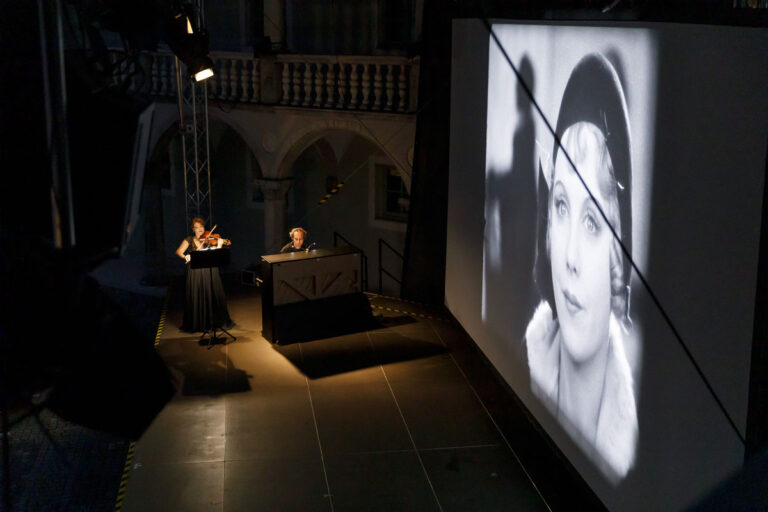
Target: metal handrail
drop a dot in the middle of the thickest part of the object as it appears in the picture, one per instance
(382, 270)
(363, 257)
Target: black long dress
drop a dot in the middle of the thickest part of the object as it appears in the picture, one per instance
(204, 297)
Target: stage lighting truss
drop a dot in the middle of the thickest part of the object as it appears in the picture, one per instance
(193, 121)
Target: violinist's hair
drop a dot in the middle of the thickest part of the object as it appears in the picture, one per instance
(303, 231)
(197, 220)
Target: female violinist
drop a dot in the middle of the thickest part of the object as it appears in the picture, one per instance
(205, 304)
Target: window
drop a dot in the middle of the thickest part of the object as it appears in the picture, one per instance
(392, 199)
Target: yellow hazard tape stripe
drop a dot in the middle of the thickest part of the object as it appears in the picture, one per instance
(132, 446)
(378, 295)
(124, 478)
(161, 323)
(333, 192)
(410, 313)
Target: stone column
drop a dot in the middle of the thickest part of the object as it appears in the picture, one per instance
(275, 232)
(274, 21)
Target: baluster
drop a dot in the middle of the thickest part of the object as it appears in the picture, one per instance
(390, 86)
(296, 85)
(318, 85)
(307, 85)
(170, 66)
(377, 88)
(161, 79)
(170, 76)
(402, 87)
(286, 83)
(227, 68)
(247, 70)
(353, 82)
(256, 81)
(233, 81)
(366, 86)
(154, 86)
(222, 81)
(342, 85)
(245, 73)
(214, 89)
(330, 85)
(160, 63)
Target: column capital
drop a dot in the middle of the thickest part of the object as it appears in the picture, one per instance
(274, 189)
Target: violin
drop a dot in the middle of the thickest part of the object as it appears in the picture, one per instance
(211, 239)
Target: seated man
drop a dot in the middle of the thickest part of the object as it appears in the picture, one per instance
(297, 240)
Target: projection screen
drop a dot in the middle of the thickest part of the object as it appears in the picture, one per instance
(659, 173)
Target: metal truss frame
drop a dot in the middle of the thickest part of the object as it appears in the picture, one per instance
(195, 146)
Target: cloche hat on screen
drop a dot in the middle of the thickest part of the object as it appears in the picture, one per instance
(593, 94)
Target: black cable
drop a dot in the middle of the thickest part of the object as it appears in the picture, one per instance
(627, 254)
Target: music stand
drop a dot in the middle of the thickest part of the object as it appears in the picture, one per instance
(208, 259)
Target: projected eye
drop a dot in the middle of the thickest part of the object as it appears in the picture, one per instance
(591, 224)
(561, 208)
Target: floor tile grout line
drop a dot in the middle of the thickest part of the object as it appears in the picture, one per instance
(467, 447)
(490, 416)
(317, 435)
(408, 430)
(408, 450)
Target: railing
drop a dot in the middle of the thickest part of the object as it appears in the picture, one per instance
(382, 270)
(358, 83)
(368, 83)
(364, 279)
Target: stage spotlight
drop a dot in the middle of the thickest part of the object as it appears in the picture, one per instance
(190, 44)
(202, 68)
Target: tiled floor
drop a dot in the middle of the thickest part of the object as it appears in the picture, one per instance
(382, 420)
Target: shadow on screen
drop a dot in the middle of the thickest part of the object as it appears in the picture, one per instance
(510, 237)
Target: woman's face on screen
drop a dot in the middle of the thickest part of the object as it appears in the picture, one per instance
(580, 245)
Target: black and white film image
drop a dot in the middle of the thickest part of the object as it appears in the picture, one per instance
(557, 284)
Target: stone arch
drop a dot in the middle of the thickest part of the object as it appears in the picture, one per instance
(302, 138)
(170, 128)
(241, 132)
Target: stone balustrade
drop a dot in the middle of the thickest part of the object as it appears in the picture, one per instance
(363, 83)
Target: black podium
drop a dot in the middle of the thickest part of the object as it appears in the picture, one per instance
(208, 259)
(313, 295)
